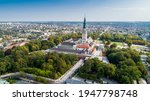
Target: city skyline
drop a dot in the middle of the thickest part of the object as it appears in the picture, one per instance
(74, 10)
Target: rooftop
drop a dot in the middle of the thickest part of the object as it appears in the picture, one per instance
(86, 45)
(68, 43)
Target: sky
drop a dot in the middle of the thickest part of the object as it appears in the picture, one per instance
(74, 10)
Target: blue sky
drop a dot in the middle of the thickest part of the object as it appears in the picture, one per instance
(74, 10)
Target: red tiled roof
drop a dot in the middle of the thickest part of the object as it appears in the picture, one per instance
(18, 44)
(83, 46)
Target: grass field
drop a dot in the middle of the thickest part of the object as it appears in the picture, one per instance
(118, 43)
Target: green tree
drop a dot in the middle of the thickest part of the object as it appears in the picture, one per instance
(110, 70)
(2, 67)
(148, 59)
(125, 79)
(108, 43)
(127, 62)
(129, 43)
(113, 45)
(47, 66)
(1, 54)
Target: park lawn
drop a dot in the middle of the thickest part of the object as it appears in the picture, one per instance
(118, 43)
(135, 47)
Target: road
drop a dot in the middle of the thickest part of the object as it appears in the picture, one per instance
(106, 30)
(9, 75)
(105, 59)
(148, 77)
(109, 81)
(70, 72)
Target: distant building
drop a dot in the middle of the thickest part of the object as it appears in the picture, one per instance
(144, 59)
(67, 45)
(15, 45)
(1, 46)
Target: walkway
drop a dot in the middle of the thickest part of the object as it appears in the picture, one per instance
(70, 72)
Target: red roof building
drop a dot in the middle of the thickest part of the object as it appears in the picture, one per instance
(18, 44)
(84, 46)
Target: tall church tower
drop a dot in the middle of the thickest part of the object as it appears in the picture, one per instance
(84, 33)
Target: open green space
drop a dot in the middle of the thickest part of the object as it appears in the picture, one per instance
(118, 43)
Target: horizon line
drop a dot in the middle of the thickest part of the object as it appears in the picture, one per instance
(73, 21)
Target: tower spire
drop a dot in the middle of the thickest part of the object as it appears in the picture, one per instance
(84, 23)
(84, 33)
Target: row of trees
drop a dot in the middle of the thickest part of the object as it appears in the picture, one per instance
(123, 38)
(131, 39)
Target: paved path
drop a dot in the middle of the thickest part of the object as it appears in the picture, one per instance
(10, 75)
(105, 59)
(70, 72)
(148, 77)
